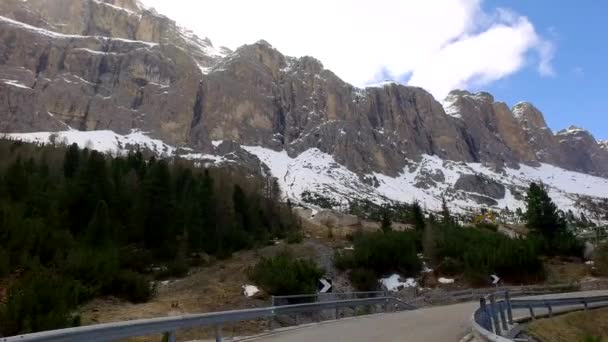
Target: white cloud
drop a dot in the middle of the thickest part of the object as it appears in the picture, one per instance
(442, 44)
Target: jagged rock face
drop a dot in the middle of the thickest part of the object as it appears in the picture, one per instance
(113, 64)
(95, 83)
(580, 149)
(126, 19)
(488, 128)
(538, 135)
(481, 185)
(521, 135)
(257, 96)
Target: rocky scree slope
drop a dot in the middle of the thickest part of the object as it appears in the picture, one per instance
(115, 65)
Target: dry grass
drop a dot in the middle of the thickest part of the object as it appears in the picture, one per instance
(560, 272)
(206, 289)
(573, 327)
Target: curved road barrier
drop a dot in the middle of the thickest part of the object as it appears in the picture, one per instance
(169, 325)
(494, 322)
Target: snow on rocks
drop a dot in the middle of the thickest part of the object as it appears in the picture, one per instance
(381, 84)
(443, 280)
(394, 283)
(15, 84)
(250, 290)
(318, 172)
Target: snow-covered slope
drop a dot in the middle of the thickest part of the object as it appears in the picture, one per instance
(102, 141)
(318, 172)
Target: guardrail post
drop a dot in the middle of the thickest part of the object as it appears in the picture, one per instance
(494, 310)
(271, 318)
(501, 306)
(585, 304)
(170, 336)
(487, 321)
(509, 308)
(531, 312)
(550, 309)
(218, 333)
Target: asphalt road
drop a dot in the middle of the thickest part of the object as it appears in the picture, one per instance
(445, 323)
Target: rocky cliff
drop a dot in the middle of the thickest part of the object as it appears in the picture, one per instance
(116, 65)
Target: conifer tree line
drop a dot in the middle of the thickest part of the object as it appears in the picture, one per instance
(453, 248)
(91, 224)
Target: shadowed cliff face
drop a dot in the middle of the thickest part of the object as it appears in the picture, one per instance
(113, 64)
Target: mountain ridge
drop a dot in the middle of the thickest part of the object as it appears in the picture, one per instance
(118, 66)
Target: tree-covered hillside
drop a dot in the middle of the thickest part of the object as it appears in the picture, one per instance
(75, 224)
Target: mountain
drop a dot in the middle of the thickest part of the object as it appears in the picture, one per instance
(115, 69)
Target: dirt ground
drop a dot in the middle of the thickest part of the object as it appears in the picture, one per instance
(566, 271)
(217, 287)
(573, 327)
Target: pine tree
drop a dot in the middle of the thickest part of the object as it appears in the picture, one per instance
(418, 216)
(100, 231)
(71, 161)
(542, 214)
(386, 223)
(429, 243)
(16, 180)
(446, 216)
(157, 209)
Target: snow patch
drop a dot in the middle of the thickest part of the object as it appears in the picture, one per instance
(316, 171)
(15, 84)
(102, 141)
(250, 290)
(66, 36)
(394, 283)
(445, 280)
(382, 84)
(450, 107)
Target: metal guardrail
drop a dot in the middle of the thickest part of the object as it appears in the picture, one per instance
(494, 322)
(474, 294)
(342, 295)
(169, 325)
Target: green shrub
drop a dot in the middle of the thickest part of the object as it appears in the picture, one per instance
(387, 252)
(295, 237)
(178, 268)
(286, 275)
(590, 338)
(450, 267)
(364, 279)
(566, 244)
(132, 287)
(487, 225)
(39, 301)
(601, 259)
(482, 252)
(377, 254)
(344, 260)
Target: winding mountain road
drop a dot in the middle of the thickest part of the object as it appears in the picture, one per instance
(445, 323)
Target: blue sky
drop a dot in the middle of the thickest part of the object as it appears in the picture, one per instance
(577, 93)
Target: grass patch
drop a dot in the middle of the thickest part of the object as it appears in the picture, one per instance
(572, 327)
